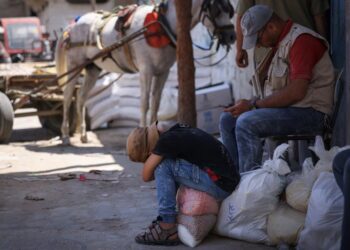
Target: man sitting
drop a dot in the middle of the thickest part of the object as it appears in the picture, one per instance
(294, 86)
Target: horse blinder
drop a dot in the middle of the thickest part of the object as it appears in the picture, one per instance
(226, 33)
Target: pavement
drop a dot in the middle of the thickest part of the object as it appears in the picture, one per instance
(102, 209)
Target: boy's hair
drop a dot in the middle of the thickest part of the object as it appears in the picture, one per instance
(141, 141)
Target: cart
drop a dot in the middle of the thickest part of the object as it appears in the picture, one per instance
(18, 80)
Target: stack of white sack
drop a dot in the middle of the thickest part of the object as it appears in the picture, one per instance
(298, 191)
(197, 215)
(285, 224)
(243, 215)
(121, 103)
(211, 64)
(322, 230)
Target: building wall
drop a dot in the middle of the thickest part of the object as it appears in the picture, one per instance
(12, 8)
(59, 13)
(55, 14)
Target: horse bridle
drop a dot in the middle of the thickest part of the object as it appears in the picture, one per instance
(211, 9)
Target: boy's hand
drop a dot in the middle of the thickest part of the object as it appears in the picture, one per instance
(150, 165)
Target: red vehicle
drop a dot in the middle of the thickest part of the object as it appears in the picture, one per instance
(22, 37)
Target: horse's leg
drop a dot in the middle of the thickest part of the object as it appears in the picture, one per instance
(92, 73)
(145, 82)
(67, 101)
(157, 88)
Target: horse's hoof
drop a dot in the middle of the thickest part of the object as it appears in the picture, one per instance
(84, 139)
(65, 141)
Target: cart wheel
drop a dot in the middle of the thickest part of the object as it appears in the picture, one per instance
(6, 118)
(54, 122)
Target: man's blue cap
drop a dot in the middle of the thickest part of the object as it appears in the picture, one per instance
(253, 20)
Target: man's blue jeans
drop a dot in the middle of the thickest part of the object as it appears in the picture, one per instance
(341, 170)
(242, 135)
(170, 174)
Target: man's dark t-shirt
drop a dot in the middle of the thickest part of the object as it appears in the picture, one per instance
(199, 148)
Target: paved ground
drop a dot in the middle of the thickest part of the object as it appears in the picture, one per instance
(106, 211)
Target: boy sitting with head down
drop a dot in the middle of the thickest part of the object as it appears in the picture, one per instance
(180, 156)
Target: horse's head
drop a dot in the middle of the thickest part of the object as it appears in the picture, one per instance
(217, 15)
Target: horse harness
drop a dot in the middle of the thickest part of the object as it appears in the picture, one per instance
(123, 22)
(125, 16)
(162, 32)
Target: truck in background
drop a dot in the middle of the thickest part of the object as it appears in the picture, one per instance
(23, 39)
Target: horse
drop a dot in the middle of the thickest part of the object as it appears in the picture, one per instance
(94, 31)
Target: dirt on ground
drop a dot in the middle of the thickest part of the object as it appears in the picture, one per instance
(84, 196)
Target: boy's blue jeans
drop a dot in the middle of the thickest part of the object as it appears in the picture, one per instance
(341, 170)
(170, 174)
(242, 135)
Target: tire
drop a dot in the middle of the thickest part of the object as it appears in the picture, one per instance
(54, 122)
(6, 118)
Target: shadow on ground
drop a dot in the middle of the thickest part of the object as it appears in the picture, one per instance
(40, 211)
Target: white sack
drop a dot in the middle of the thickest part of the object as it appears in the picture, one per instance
(243, 215)
(284, 225)
(323, 222)
(193, 202)
(325, 156)
(128, 113)
(123, 123)
(193, 229)
(299, 190)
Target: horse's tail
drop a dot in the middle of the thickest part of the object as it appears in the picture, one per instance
(61, 59)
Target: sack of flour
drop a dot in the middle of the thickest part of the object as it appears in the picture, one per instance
(243, 215)
(193, 229)
(194, 202)
(325, 156)
(322, 230)
(284, 225)
(299, 190)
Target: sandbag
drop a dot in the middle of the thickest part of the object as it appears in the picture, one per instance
(193, 202)
(284, 225)
(322, 230)
(193, 229)
(243, 214)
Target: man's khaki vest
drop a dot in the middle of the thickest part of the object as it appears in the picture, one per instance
(321, 87)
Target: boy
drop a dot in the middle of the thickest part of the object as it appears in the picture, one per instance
(180, 156)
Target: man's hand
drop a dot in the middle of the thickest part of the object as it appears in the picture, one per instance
(242, 58)
(240, 107)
